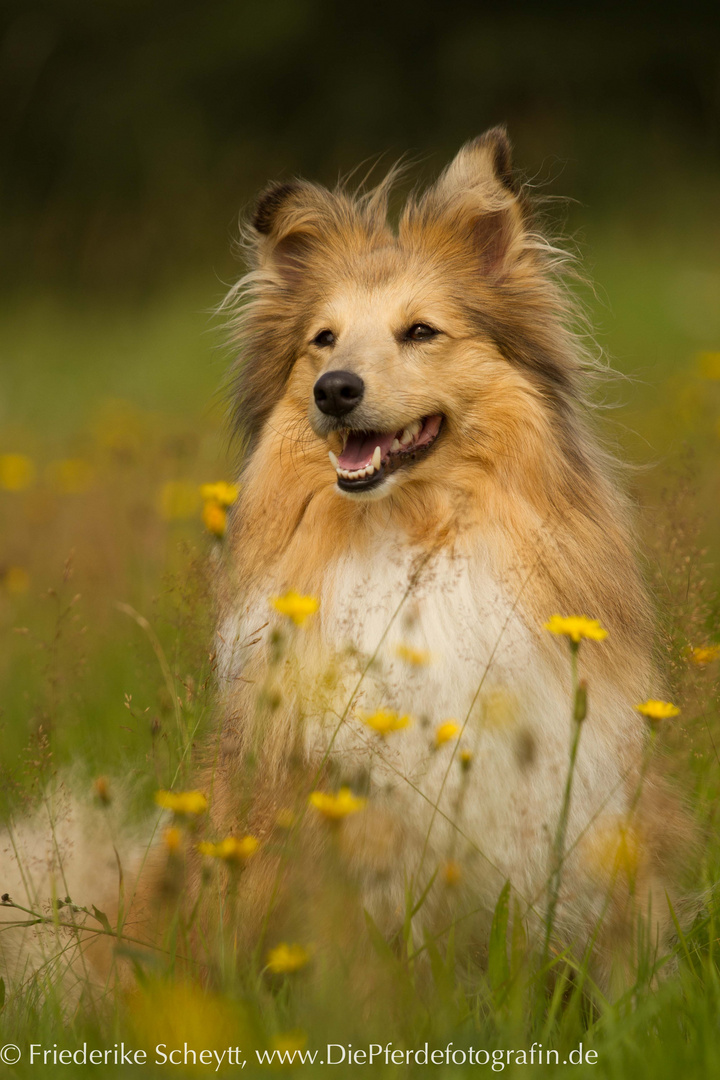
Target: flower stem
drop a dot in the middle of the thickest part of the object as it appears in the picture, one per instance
(560, 834)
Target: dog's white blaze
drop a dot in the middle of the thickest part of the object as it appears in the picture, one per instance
(486, 672)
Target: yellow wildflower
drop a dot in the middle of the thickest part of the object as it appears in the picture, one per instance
(613, 847)
(451, 873)
(704, 654)
(576, 627)
(466, 759)
(172, 838)
(709, 364)
(17, 472)
(336, 807)
(71, 476)
(187, 1019)
(447, 731)
(101, 790)
(221, 493)
(16, 580)
(296, 607)
(284, 959)
(289, 1042)
(179, 500)
(657, 710)
(190, 803)
(231, 849)
(412, 656)
(383, 721)
(214, 518)
(499, 708)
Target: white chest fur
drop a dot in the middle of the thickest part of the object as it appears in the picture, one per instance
(481, 666)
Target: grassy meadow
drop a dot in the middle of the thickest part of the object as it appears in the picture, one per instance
(110, 423)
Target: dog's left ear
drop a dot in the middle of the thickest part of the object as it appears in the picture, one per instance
(478, 197)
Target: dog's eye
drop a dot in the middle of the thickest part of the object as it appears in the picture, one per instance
(420, 331)
(324, 338)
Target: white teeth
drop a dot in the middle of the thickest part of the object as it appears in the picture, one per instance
(395, 446)
(356, 474)
(376, 458)
(410, 432)
(333, 460)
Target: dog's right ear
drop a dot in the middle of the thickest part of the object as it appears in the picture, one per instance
(285, 226)
(270, 203)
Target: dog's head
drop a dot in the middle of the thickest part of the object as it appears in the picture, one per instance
(412, 350)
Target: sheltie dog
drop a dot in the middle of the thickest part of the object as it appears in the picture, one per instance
(422, 478)
(422, 461)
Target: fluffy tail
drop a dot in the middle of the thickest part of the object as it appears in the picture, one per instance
(67, 871)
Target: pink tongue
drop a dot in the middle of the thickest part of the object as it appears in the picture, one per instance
(360, 448)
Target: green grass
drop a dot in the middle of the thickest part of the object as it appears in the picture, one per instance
(130, 390)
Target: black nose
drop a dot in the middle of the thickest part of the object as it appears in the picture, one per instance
(338, 392)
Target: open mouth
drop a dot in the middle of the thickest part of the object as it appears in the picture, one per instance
(369, 457)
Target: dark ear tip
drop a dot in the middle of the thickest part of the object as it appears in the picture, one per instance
(496, 140)
(268, 204)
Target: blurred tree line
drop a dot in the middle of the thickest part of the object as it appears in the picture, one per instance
(133, 131)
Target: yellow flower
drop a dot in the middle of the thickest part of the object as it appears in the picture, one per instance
(384, 721)
(221, 493)
(187, 1018)
(466, 759)
(336, 807)
(451, 873)
(499, 708)
(447, 731)
(172, 838)
(296, 607)
(613, 847)
(189, 803)
(214, 518)
(179, 500)
(101, 789)
(704, 654)
(289, 1042)
(16, 580)
(71, 476)
(17, 472)
(657, 710)
(284, 959)
(709, 364)
(414, 657)
(231, 849)
(576, 627)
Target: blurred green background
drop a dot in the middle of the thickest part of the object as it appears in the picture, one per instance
(133, 133)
